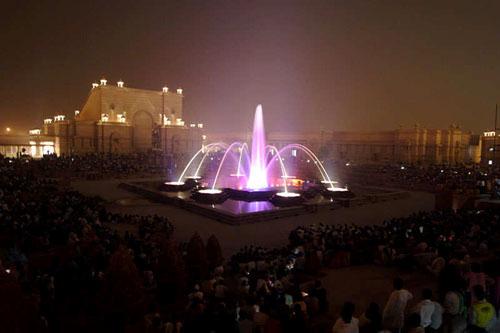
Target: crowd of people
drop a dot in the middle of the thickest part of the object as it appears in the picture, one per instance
(67, 264)
(428, 178)
(97, 166)
(447, 244)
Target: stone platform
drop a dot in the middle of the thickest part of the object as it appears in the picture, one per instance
(237, 212)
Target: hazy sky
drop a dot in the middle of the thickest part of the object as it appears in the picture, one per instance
(312, 64)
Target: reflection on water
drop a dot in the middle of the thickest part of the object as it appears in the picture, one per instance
(243, 207)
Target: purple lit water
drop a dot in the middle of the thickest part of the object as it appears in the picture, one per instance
(244, 207)
(258, 173)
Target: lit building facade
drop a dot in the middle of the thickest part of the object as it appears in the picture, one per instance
(14, 144)
(490, 146)
(419, 146)
(120, 120)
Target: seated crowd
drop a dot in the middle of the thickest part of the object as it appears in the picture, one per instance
(69, 265)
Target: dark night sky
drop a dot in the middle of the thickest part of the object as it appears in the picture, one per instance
(312, 64)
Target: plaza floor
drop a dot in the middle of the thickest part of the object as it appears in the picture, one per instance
(271, 233)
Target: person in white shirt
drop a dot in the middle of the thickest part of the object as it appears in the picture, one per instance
(431, 313)
(346, 323)
(393, 316)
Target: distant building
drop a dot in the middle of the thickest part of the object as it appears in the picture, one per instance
(119, 119)
(418, 145)
(14, 144)
(490, 146)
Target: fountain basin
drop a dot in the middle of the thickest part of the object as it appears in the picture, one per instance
(192, 181)
(337, 192)
(251, 195)
(286, 199)
(175, 186)
(210, 196)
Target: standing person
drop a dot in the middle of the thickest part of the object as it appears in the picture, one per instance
(476, 277)
(371, 320)
(245, 325)
(482, 312)
(455, 312)
(431, 313)
(413, 324)
(346, 323)
(297, 322)
(393, 317)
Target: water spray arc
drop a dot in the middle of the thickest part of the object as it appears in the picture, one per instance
(222, 162)
(181, 177)
(208, 150)
(314, 158)
(282, 165)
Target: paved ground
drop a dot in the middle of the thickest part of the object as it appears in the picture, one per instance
(269, 233)
(371, 283)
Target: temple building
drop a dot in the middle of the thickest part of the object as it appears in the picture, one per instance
(121, 120)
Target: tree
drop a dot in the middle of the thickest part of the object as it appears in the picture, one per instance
(122, 293)
(214, 252)
(196, 259)
(171, 272)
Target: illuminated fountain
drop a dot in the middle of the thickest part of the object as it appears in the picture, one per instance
(244, 175)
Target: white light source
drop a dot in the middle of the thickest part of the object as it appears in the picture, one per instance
(77, 112)
(121, 118)
(490, 133)
(174, 183)
(47, 121)
(7, 129)
(104, 117)
(120, 84)
(200, 125)
(179, 91)
(210, 191)
(59, 117)
(35, 131)
(165, 89)
(337, 189)
(288, 194)
(331, 182)
(103, 81)
(490, 162)
(192, 125)
(95, 85)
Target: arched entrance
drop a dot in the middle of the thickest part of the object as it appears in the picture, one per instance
(114, 143)
(142, 130)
